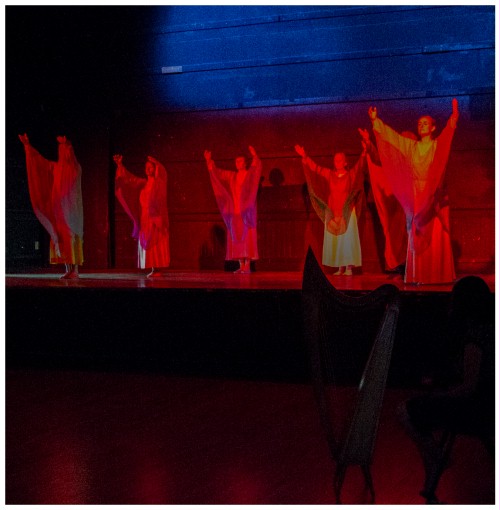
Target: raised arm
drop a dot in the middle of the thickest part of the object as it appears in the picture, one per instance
(300, 151)
(256, 163)
(120, 169)
(368, 147)
(24, 139)
(253, 153)
(402, 143)
(33, 156)
(123, 175)
(208, 158)
(454, 113)
(310, 164)
(223, 175)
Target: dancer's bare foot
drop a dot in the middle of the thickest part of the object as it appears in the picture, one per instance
(244, 267)
(154, 274)
(71, 274)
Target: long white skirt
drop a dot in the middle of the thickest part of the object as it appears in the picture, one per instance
(345, 249)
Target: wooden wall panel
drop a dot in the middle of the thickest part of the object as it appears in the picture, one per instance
(275, 39)
(380, 78)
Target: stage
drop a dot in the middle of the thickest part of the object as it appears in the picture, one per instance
(208, 323)
(219, 280)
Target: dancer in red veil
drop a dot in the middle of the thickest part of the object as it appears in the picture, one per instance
(337, 196)
(416, 170)
(145, 202)
(56, 196)
(236, 195)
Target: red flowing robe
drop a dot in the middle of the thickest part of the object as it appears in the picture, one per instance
(145, 202)
(236, 196)
(416, 171)
(391, 214)
(333, 197)
(56, 196)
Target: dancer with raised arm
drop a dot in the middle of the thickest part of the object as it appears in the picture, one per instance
(337, 197)
(236, 196)
(56, 196)
(145, 202)
(416, 170)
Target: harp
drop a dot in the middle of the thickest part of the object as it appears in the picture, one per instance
(350, 342)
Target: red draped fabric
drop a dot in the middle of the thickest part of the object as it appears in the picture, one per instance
(334, 197)
(415, 171)
(145, 202)
(56, 197)
(390, 212)
(128, 189)
(236, 196)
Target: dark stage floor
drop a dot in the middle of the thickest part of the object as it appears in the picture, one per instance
(194, 388)
(218, 280)
(116, 438)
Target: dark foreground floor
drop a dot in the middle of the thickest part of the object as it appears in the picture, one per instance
(130, 438)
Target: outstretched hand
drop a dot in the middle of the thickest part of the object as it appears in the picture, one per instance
(208, 155)
(372, 112)
(364, 135)
(24, 139)
(61, 139)
(252, 151)
(300, 150)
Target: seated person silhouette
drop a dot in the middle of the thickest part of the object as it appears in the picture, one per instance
(467, 404)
